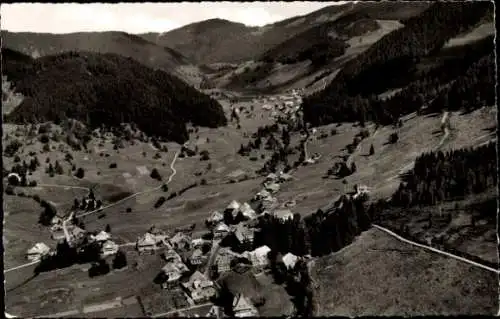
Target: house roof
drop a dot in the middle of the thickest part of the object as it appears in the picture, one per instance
(233, 205)
(221, 227)
(272, 186)
(197, 253)
(290, 260)
(109, 245)
(283, 213)
(241, 232)
(216, 216)
(39, 248)
(146, 240)
(262, 250)
(247, 211)
(179, 237)
(102, 236)
(271, 176)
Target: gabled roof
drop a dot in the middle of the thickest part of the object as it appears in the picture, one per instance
(146, 240)
(179, 237)
(262, 250)
(109, 245)
(221, 227)
(290, 260)
(233, 205)
(248, 211)
(102, 236)
(39, 248)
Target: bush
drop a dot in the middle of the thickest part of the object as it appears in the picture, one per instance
(112, 165)
(12, 148)
(129, 210)
(160, 202)
(203, 181)
(372, 150)
(44, 139)
(32, 184)
(80, 173)
(120, 260)
(393, 138)
(9, 190)
(204, 155)
(155, 174)
(164, 187)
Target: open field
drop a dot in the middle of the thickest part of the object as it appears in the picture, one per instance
(71, 288)
(378, 275)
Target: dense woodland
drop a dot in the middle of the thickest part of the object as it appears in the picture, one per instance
(318, 234)
(439, 176)
(403, 57)
(106, 89)
(320, 44)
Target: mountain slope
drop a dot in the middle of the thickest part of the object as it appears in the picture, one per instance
(108, 89)
(411, 58)
(128, 45)
(219, 40)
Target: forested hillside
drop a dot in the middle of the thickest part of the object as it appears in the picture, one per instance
(400, 60)
(439, 176)
(107, 89)
(128, 45)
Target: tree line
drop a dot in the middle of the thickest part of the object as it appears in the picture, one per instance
(106, 90)
(318, 234)
(400, 56)
(440, 176)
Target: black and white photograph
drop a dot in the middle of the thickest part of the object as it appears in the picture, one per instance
(249, 159)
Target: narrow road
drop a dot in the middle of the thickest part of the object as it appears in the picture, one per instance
(473, 263)
(174, 171)
(63, 186)
(21, 266)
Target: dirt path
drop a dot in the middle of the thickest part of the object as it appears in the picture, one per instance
(174, 171)
(473, 263)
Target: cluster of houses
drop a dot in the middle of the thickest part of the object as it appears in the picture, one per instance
(286, 104)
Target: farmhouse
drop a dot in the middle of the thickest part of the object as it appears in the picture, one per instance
(272, 187)
(146, 242)
(109, 248)
(283, 214)
(263, 194)
(172, 256)
(258, 257)
(199, 287)
(290, 260)
(101, 237)
(233, 206)
(180, 241)
(215, 217)
(37, 252)
(197, 257)
(243, 234)
(198, 242)
(221, 230)
(174, 272)
(247, 211)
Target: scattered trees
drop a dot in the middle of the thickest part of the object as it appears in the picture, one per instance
(156, 175)
(120, 260)
(80, 173)
(160, 202)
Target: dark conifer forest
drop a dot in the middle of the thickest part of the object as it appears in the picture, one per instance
(107, 89)
(401, 60)
(439, 176)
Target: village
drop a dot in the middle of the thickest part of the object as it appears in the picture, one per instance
(193, 264)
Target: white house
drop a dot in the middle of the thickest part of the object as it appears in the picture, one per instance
(146, 242)
(215, 217)
(101, 237)
(221, 230)
(247, 211)
(233, 205)
(290, 260)
(109, 248)
(259, 256)
(283, 214)
(37, 252)
(199, 287)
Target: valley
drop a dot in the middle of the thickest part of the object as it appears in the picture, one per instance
(246, 171)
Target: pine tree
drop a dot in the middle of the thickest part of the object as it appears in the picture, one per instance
(372, 150)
